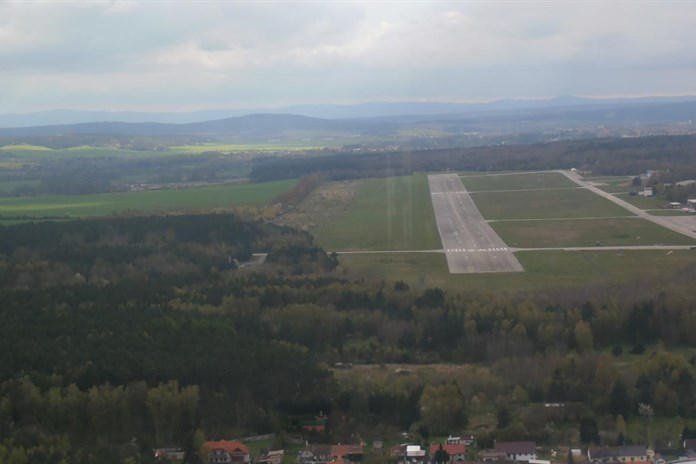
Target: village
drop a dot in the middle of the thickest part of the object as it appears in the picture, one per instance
(455, 449)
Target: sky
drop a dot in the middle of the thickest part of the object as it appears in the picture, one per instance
(183, 56)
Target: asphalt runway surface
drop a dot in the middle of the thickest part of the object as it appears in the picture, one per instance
(470, 244)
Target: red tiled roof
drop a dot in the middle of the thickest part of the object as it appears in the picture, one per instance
(229, 446)
(344, 450)
(451, 449)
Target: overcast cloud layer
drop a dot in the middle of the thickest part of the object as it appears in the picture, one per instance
(175, 55)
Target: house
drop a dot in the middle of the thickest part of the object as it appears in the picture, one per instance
(409, 454)
(227, 452)
(618, 454)
(517, 450)
(316, 454)
(347, 453)
(691, 203)
(316, 424)
(169, 454)
(490, 456)
(647, 192)
(465, 439)
(690, 443)
(457, 452)
(674, 204)
(271, 457)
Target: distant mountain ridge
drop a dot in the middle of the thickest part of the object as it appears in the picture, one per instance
(565, 112)
(328, 111)
(255, 124)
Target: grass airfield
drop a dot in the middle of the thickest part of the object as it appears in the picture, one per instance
(570, 217)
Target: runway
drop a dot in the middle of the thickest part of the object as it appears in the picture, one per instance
(470, 244)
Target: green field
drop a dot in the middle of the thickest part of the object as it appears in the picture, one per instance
(154, 200)
(238, 147)
(10, 165)
(23, 147)
(543, 269)
(546, 180)
(386, 214)
(8, 186)
(545, 204)
(25, 153)
(586, 232)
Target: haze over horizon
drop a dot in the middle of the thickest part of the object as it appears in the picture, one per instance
(185, 56)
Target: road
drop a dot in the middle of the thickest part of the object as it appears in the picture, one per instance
(470, 244)
(682, 227)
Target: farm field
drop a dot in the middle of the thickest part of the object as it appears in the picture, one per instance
(238, 147)
(543, 269)
(8, 186)
(393, 213)
(547, 180)
(38, 153)
(154, 200)
(586, 232)
(545, 204)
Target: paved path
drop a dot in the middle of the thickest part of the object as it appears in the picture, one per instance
(684, 228)
(470, 244)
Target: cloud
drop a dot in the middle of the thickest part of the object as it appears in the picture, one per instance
(144, 54)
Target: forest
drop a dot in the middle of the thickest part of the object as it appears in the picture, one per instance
(612, 156)
(122, 334)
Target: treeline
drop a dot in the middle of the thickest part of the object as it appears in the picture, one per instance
(131, 142)
(624, 156)
(80, 175)
(107, 251)
(300, 191)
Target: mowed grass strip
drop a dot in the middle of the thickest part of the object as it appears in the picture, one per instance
(522, 181)
(394, 213)
(586, 232)
(543, 269)
(546, 204)
(260, 194)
